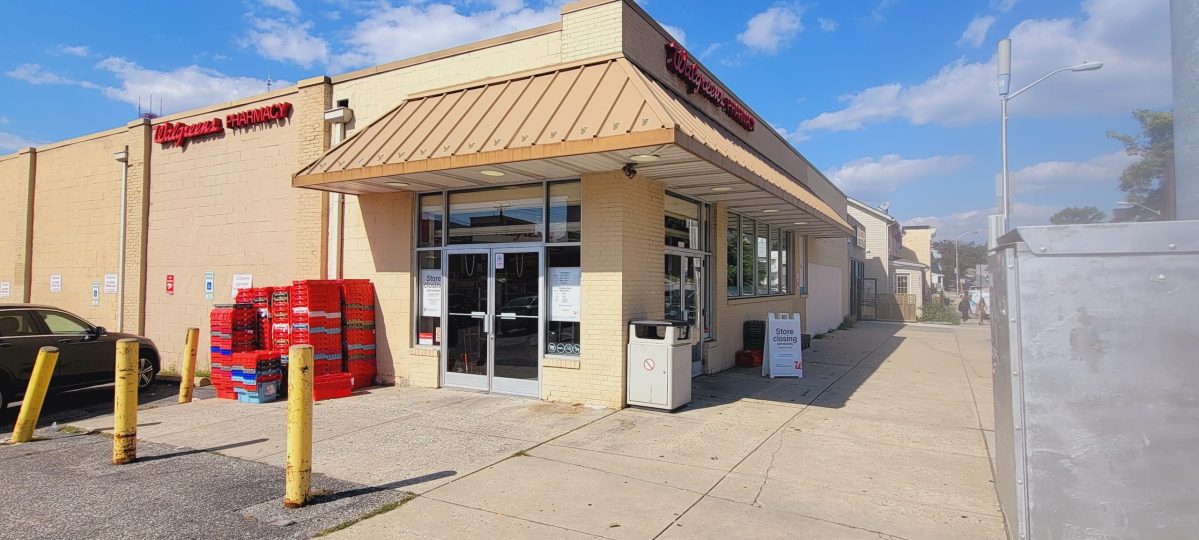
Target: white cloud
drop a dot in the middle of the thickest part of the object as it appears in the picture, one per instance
(1003, 6)
(709, 50)
(3, 119)
(976, 31)
(1126, 35)
(72, 50)
(883, 175)
(953, 224)
(36, 74)
(10, 143)
(286, 6)
(1101, 171)
(390, 33)
(677, 33)
(178, 89)
(828, 25)
(773, 29)
(287, 41)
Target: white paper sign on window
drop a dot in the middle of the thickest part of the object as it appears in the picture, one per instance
(242, 281)
(430, 293)
(566, 294)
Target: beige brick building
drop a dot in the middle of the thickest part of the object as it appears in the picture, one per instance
(516, 202)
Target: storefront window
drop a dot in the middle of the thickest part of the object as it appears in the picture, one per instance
(784, 263)
(733, 266)
(563, 278)
(747, 257)
(775, 261)
(565, 204)
(801, 259)
(428, 323)
(683, 228)
(759, 260)
(763, 259)
(432, 217)
(507, 214)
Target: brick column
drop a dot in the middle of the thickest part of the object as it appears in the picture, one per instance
(137, 215)
(622, 265)
(23, 258)
(312, 207)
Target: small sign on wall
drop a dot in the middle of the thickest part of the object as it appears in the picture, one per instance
(209, 285)
(170, 284)
(95, 293)
(241, 281)
(56, 283)
(5, 289)
(110, 283)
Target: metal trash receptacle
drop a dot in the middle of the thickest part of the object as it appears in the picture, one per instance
(659, 368)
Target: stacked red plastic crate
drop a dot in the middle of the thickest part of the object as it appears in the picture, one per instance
(280, 335)
(332, 386)
(232, 331)
(256, 376)
(316, 321)
(358, 329)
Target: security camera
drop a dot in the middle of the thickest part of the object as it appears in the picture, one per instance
(630, 170)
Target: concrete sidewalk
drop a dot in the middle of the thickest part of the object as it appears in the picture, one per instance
(883, 438)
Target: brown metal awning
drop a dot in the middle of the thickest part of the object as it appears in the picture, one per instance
(574, 119)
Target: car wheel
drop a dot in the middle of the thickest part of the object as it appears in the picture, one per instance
(145, 371)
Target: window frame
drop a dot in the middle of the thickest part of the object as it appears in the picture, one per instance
(907, 282)
(444, 247)
(778, 284)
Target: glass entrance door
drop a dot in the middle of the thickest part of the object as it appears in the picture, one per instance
(684, 300)
(494, 320)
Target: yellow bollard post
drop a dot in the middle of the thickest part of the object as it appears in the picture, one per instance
(35, 395)
(299, 425)
(187, 382)
(124, 434)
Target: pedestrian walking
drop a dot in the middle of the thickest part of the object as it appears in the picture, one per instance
(982, 308)
(964, 307)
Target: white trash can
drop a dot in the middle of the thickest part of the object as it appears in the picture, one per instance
(659, 370)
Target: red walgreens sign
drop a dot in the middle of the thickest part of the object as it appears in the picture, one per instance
(677, 61)
(170, 284)
(178, 133)
(277, 111)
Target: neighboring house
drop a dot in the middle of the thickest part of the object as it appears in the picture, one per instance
(891, 284)
(857, 266)
(918, 246)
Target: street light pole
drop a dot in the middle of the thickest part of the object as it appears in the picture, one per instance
(1004, 64)
(957, 261)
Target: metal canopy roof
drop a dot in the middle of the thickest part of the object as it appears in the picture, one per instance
(573, 119)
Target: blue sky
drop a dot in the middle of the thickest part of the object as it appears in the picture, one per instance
(893, 99)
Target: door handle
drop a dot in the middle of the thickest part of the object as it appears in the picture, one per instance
(507, 315)
(5, 344)
(64, 340)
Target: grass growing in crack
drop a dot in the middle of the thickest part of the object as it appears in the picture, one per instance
(72, 430)
(367, 515)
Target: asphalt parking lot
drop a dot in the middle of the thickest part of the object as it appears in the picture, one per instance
(63, 485)
(95, 401)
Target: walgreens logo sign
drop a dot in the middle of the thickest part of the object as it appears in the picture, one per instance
(678, 62)
(179, 133)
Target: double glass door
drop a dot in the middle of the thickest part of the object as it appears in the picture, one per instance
(685, 301)
(493, 320)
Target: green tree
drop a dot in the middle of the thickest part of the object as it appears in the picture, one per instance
(1146, 181)
(971, 255)
(1075, 215)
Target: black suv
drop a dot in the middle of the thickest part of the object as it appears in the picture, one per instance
(86, 352)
